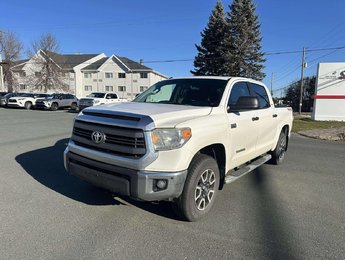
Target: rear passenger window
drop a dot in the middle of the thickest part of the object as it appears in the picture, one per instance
(111, 96)
(239, 89)
(260, 92)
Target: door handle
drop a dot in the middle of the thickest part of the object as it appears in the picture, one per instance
(275, 115)
(255, 118)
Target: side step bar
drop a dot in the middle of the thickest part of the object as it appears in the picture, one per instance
(236, 174)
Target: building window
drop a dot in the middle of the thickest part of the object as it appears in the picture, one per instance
(22, 86)
(88, 88)
(142, 88)
(38, 74)
(87, 75)
(122, 88)
(109, 88)
(108, 75)
(22, 74)
(143, 75)
(122, 75)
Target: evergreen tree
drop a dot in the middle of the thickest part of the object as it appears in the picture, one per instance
(210, 58)
(243, 40)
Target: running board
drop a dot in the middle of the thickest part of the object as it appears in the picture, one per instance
(235, 175)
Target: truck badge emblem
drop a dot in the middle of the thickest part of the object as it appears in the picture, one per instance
(98, 137)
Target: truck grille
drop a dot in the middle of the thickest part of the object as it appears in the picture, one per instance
(120, 141)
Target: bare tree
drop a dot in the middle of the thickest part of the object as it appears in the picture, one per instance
(11, 48)
(47, 73)
(46, 42)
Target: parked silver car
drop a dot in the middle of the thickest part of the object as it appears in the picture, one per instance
(57, 101)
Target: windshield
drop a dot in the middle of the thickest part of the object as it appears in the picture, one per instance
(41, 95)
(25, 95)
(10, 95)
(96, 95)
(191, 92)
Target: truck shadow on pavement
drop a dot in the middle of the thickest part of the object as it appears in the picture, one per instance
(46, 166)
(271, 218)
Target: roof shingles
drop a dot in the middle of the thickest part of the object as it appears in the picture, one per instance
(68, 61)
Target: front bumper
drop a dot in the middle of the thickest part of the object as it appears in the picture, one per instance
(83, 106)
(124, 181)
(14, 105)
(42, 106)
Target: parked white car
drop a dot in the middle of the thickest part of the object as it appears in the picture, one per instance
(25, 100)
(99, 98)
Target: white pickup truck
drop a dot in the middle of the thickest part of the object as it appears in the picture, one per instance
(99, 98)
(181, 140)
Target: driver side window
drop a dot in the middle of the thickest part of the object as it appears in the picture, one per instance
(239, 89)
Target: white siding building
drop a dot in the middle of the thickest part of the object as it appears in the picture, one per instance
(118, 74)
(329, 98)
(86, 73)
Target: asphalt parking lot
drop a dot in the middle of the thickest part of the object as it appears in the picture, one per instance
(292, 211)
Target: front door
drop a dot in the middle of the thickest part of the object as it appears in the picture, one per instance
(243, 128)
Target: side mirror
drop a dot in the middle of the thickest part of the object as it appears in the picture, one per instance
(245, 103)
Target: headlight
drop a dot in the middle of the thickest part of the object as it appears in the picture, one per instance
(168, 139)
(96, 101)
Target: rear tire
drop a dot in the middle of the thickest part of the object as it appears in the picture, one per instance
(279, 152)
(27, 105)
(74, 106)
(199, 190)
(54, 107)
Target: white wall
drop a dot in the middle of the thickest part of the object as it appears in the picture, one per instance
(329, 102)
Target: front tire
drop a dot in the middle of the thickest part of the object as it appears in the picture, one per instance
(54, 107)
(200, 188)
(279, 152)
(27, 105)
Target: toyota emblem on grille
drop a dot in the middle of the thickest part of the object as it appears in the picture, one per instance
(98, 137)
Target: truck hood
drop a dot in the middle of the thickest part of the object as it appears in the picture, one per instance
(163, 115)
(90, 99)
(16, 98)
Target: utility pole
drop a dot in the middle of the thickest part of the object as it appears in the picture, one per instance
(272, 79)
(302, 81)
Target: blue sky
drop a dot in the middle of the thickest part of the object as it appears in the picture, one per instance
(156, 30)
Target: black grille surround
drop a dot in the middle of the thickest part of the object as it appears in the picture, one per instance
(120, 141)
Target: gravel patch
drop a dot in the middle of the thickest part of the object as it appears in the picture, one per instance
(332, 134)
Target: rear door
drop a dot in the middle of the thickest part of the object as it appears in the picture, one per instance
(64, 100)
(243, 128)
(267, 119)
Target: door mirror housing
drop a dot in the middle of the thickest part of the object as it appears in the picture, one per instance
(245, 103)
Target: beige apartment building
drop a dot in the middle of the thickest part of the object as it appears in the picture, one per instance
(86, 73)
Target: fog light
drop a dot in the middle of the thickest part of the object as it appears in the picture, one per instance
(160, 184)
